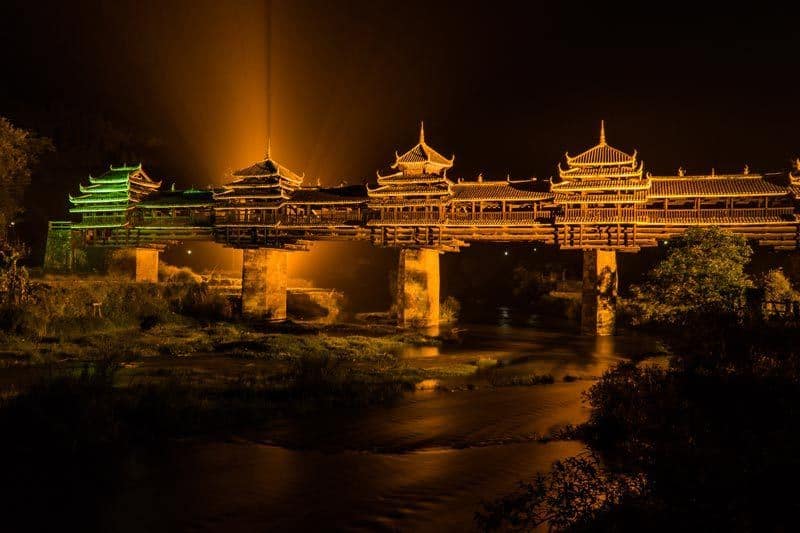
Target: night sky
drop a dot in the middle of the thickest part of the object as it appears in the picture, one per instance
(190, 89)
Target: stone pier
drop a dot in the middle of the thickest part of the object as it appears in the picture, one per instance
(599, 298)
(418, 288)
(264, 275)
(140, 264)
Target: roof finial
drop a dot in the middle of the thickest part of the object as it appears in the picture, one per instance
(602, 132)
(421, 132)
(269, 147)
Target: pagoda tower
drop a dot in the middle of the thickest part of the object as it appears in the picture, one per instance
(254, 200)
(411, 199)
(598, 195)
(601, 184)
(107, 204)
(107, 200)
(416, 187)
(256, 193)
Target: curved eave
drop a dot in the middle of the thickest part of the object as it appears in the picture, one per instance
(620, 158)
(400, 179)
(274, 176)
(92, 199)
(108, 181)
(103, 188)
(146, 183)
(429, 157)
(578, 172)
(270, 185)
(544, 198)
(375, 194)
(103, 209)
(718, 195)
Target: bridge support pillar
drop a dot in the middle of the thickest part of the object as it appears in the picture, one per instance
(146, 264)
(418, 288)
(264, 275)
(140, 264)
(599, 299)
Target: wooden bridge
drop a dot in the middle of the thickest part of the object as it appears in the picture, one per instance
(602, 202)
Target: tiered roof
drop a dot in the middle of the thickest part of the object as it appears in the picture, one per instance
(264, 183)
(601, 175)
(420, 173)
(115, 191)
(422, 159)
(602, 162)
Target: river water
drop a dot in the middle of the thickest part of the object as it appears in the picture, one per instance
(424, 464)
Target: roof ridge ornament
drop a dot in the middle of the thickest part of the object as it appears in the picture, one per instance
(421, 132)
(602, 131)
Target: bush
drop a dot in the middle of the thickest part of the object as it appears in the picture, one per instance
(574, 495)
(778, 288)
(449, 310)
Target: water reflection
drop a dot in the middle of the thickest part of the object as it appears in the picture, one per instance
(424, 464)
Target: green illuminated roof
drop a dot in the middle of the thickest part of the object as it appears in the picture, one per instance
(115, 191)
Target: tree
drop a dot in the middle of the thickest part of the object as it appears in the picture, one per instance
(778, 288)
(702, 277)
(19, 152)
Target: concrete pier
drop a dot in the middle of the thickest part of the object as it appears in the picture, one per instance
(264, 276)
(139, 264)
(599, 294)
(418, 288)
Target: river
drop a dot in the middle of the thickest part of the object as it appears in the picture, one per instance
(423, 464)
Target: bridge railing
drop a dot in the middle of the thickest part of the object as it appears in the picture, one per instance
(408, 216)
(627, 215)
(248, 219)
(176, 221)
(459, 218)
(526, 216)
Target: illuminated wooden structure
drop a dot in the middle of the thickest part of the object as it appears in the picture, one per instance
(108, 200)
(266, 205)
(603, 201)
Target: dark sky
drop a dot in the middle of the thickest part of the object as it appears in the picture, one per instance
(506, 86)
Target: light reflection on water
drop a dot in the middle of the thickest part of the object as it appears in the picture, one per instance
(424, 464)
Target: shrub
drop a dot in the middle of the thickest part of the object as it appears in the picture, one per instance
(449, 310)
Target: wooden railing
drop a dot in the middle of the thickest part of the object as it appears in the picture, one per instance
(457, 218)
(519, 216)
(627, 215)
(246, 219)
(99, 220)
(176, 221)
(408, 216)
